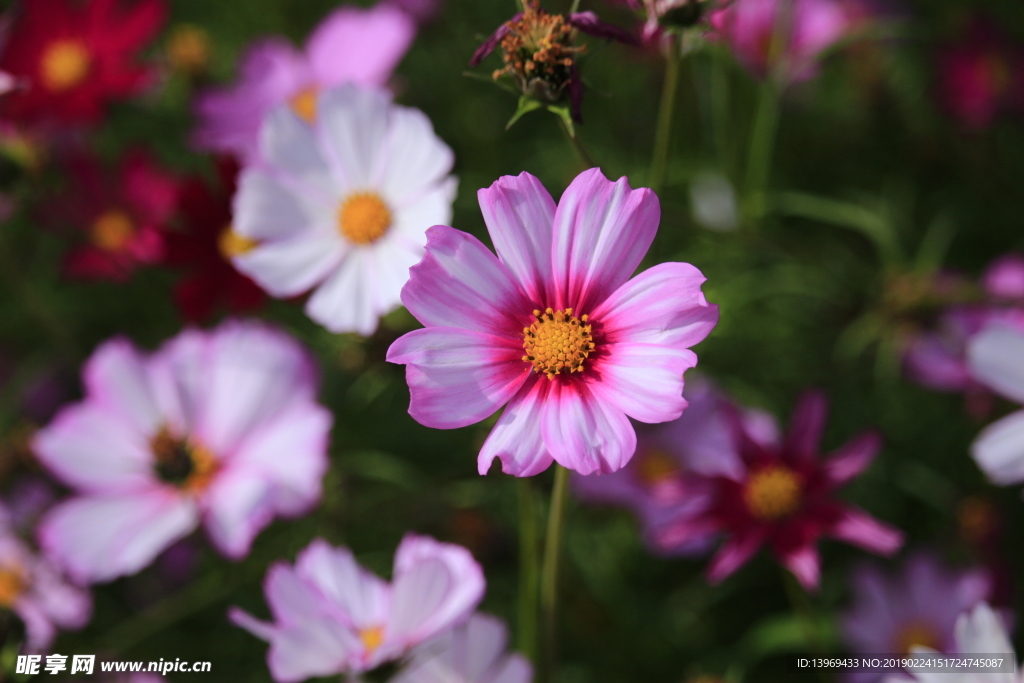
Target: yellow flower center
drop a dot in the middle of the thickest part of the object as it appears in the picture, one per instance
(773, 493)
(12, 585)
(112, 230)
(372, 637)
(364, 218)
(656, 467)
(188, 48)
(916, 634)
(231, 244)
(183, 463)
(304, 104)
(557, 342)
(65, 64)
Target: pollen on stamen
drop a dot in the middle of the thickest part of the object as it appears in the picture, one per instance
(557, 342)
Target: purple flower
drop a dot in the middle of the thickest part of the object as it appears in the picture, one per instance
(351, 45)
(553, 326)
(917, 607)
(332, 616)
(219, 428)
(471, 653)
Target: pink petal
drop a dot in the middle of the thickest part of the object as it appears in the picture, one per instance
(460, 283)
(861, 529)
(999, 450)
(520, 214)
(602, 231)
(435, 586)
(116, 377)
(806, 425)
(263, 630)
(996, 358)
(734, 553)
(852, 458)
(662, 305)
(361, 46)
(318, 646)
(644, 381)
(237, 506)
(805, 564)
(291, 597)
(99, 538)
(458, 377)
(361, 597)
(516, 439)
(583, 432)
(92, 450)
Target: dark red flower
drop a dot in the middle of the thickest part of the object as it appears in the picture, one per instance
(202, 246)
(784, 498)
(71, 58)
(981, 76)
(122, 215)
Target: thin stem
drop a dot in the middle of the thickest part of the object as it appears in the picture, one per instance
(663, 131)
(762, 146)
(577, 144)
(549, 573)
(528, 570)
(800, 602)
(575, 6)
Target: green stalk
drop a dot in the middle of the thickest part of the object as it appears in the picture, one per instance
(762, 147)
(549, 574)
(577, 144)
(663, 131)
(528, 570)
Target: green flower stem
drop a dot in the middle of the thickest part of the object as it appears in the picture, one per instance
(577, 144)
(762, 148)
(663, 131)
(549, 574)
(528, 570)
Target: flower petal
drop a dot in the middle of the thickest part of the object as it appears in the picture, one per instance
(516, 439)
(999, 450)
(644, 381)
(289, 144)
(460, 283)
(361, 596)
(735, 552)
(602, 231)
(116, 377)
(237, 506)
(806, 425)
(345, 301)
(290, 267)
(520, 214)
(584, 433)
(352, 124)
(805, 563)
(267, 209)
(457, 377)
(411, 158)
(99, 538)
(862, 530)
(361, 46)
(487, 47)
(996, 358)
(852, 458)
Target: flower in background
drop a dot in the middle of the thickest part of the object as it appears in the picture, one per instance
(996, 358)
(539, 50)
(342, 206)
(187, 49)
(978, 631)
(657, 485)
(553, 326)
(664, 17)
(332, 616)
(473, 652)
(981, 75)
(351, 45)
(220, 428)
(918, 607)
(767, 42)
(203, 246)
(72, 58)
(36, 591)
(122, 216)
(783, 499)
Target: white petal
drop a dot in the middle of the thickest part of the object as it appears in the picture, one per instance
(266, 209)
(345, 302)
(291, 267)
(411, 157)
(999, 450)
(289, 144)
(352, 123)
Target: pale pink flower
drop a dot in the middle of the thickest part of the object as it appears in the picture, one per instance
(996, 359)
(471, 653)
(553, 326)
(342, 206)
(332, 616)
(216, 428)
(351, 45)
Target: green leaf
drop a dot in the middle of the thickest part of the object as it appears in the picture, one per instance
(563, 113)
(526, 105)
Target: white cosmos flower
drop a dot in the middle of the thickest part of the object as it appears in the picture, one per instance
(341, 205)
(996, 358)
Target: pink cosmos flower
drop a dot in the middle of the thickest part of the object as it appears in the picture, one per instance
(749, 27)
(917, 607)
(552, 326)
(471, 653)
(219, 428)
(332, 616)
(36, 591)
(351, 45)
(996, 358)
(783, 498)
(981, 75)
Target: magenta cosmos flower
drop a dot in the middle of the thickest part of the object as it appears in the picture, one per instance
(553, 326)
(916, 607)
(981, 75)
(784, 498)
(351, 45)
(473, 652)
(332, 616)
(219, 428)
(36, 591)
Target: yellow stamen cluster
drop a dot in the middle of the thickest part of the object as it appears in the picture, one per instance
(655, 467)
(304, 104)
(773, 493)
(231, 244)
(12, 585)
(557, 342)
(363, 218)
(64, 64)
(539, 46)
(917, 634)
(180, 462)
(112, 230)
(372, 637)
(188, 49)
